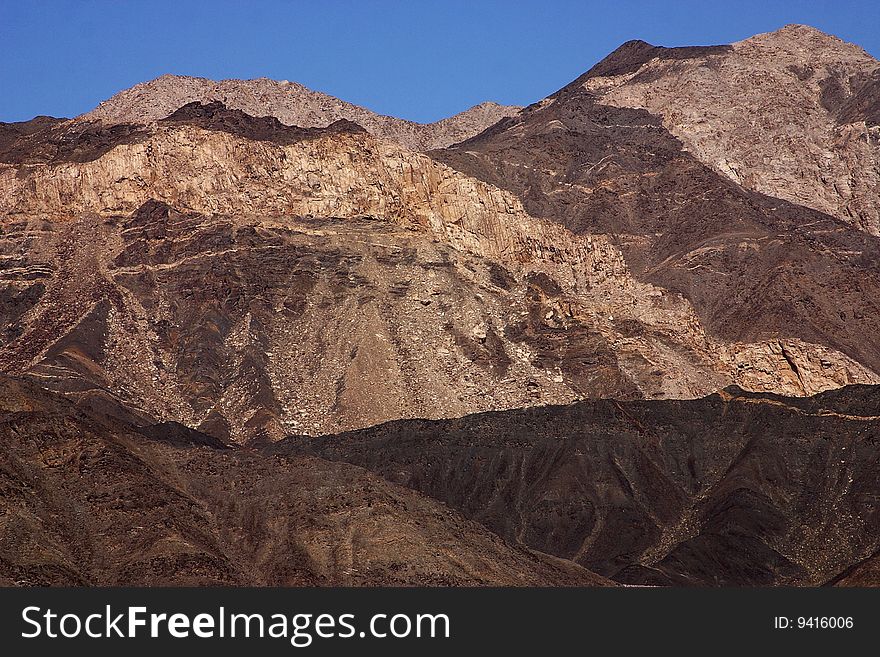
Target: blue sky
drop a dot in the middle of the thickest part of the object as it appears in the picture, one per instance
(419, 60)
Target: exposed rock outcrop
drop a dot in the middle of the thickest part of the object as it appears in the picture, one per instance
(232, 304)
(755, 267)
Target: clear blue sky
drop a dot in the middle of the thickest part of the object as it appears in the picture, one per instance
(420, 60)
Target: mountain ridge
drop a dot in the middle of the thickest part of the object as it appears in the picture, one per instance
(733, 489)
(292, 104)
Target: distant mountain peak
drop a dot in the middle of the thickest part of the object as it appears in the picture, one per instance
(797, 83)
(801, 30)
(292, 104)
(795, 38)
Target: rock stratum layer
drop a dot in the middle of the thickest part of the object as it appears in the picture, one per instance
(269, 286)
(214, 294)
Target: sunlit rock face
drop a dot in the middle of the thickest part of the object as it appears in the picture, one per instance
(310, 281)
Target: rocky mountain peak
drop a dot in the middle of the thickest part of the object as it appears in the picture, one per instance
(798, 32)
(808, 44)
(630, 56)
(791, 113)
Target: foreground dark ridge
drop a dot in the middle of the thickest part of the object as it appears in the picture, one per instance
(89, 500)
(732, 489)
(735, 488)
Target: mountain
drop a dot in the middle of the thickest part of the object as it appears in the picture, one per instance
(290, 103)
(624, 332)
(791, 114)
(252, 279)
(91, 500)
(752, 265)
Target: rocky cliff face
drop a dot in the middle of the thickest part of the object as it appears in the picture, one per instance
(754, 266)
(292, 104)
(257, 287)
(788, 114)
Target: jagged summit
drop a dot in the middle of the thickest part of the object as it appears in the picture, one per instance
(292, 104)
(800, 32)
(803, 41)
(796, 31)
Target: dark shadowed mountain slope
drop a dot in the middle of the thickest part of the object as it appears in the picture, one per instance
(216, 116)
(45, 140)
(863, 103)
(89, 500)
(734, 488)
(864, 573)
(632, 55)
